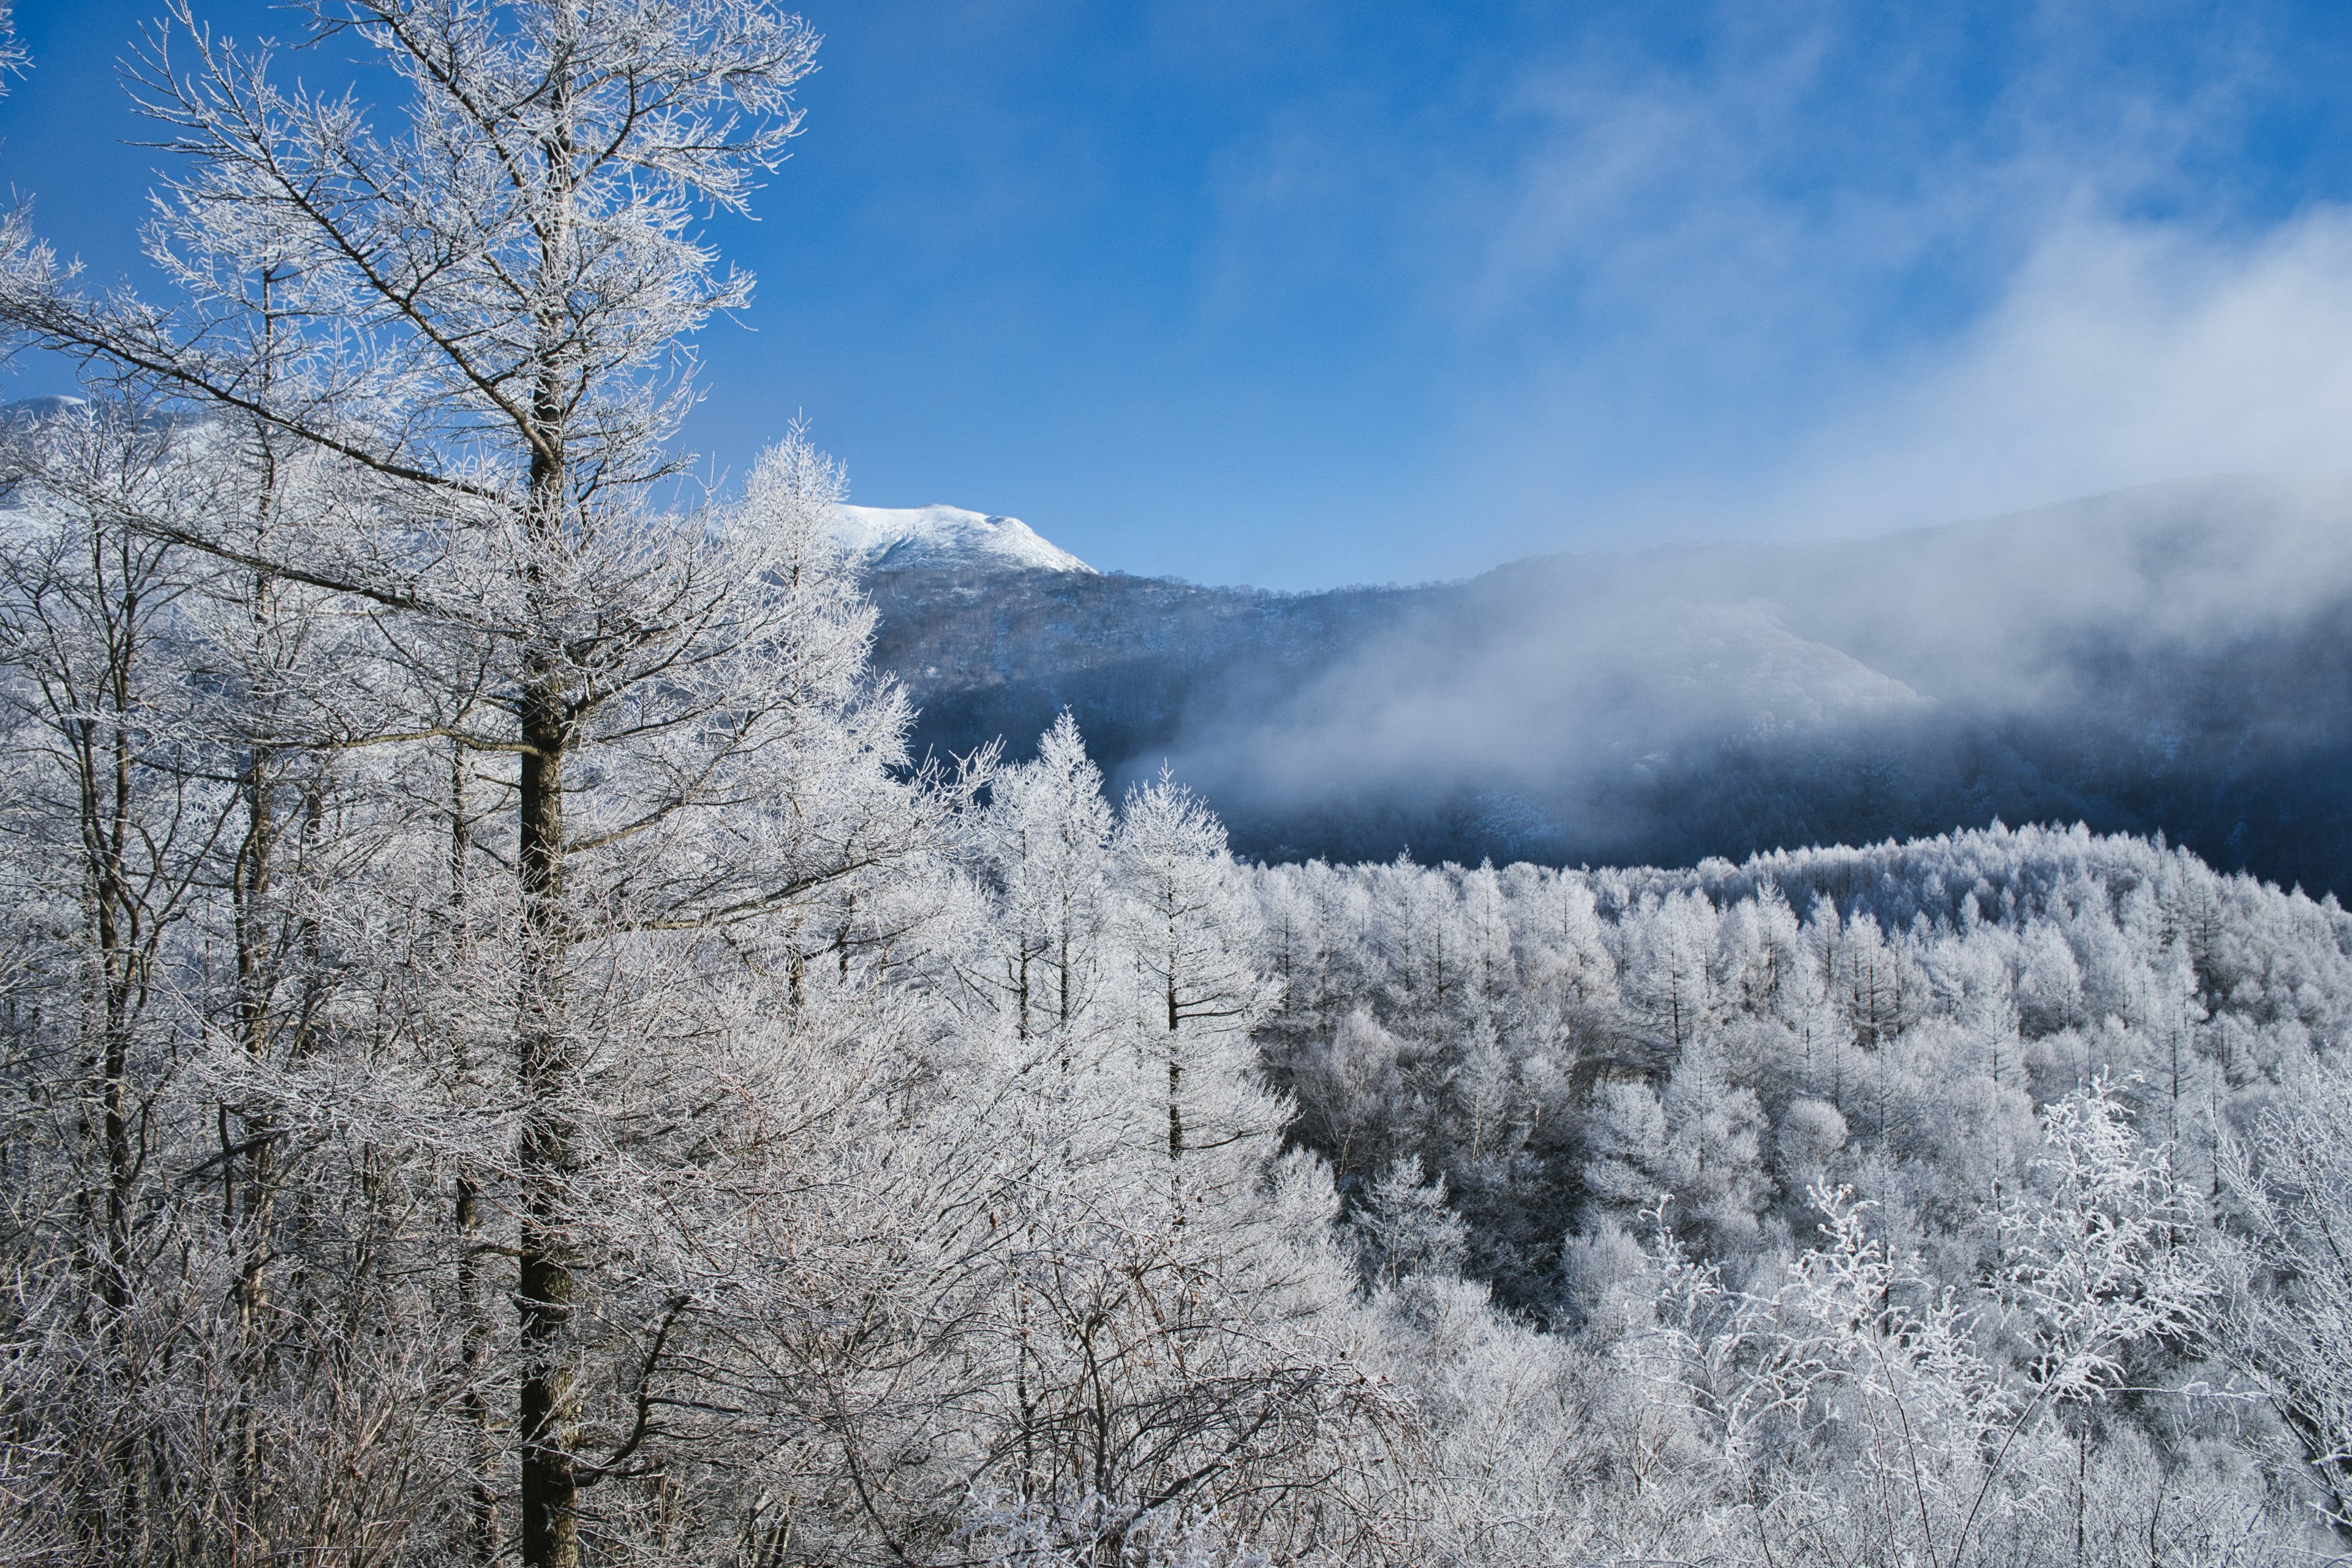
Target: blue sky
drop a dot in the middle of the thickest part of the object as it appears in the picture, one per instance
(1302, 292)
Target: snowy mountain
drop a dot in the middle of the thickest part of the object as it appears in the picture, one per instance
(895, 538)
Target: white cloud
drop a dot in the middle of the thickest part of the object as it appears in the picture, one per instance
(2121, 353)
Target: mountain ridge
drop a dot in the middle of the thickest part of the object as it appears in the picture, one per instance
(2174, 658)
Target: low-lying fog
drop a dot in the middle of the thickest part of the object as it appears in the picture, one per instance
(1713, 697)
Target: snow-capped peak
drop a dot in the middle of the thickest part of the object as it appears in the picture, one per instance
(947, 536)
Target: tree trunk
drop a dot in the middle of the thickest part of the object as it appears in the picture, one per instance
(549, 1403)
(250, 1219)
(482, 1498)
(467, 1214)
(1175, 1076)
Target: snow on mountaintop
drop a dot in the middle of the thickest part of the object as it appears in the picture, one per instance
(947, 536)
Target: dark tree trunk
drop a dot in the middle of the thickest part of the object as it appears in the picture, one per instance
(550, 1403)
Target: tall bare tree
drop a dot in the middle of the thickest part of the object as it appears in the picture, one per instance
(484, 308)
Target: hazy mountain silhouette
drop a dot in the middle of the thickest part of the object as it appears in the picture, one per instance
(2177, 658)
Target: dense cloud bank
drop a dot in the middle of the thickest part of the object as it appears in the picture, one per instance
(2168, 659)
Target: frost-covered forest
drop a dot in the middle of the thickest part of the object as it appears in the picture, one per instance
(507, 1059)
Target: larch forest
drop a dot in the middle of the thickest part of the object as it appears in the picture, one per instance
(506, 1059)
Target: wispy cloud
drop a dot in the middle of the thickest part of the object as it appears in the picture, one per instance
(2120, 352)
(1796, 267)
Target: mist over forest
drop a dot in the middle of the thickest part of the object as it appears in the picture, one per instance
(2167, 660)
(558, 1014)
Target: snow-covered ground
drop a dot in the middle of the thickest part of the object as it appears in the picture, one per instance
(948, 536)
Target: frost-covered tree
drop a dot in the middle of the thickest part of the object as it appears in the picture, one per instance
(1044, 844)
(1190, 931)
(113, 819)
(1403, 1227)
(478, 315)
(2288, 1266)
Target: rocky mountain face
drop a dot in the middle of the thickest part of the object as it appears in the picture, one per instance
(2174, 659)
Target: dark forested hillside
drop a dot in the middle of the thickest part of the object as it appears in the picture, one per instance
(990, 653)
(2177, 658)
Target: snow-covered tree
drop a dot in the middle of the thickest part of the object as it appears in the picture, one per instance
(1044, 843)
(2288, 1267)
(1190, 931)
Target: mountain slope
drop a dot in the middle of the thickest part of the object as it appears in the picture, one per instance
(2177, 658)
